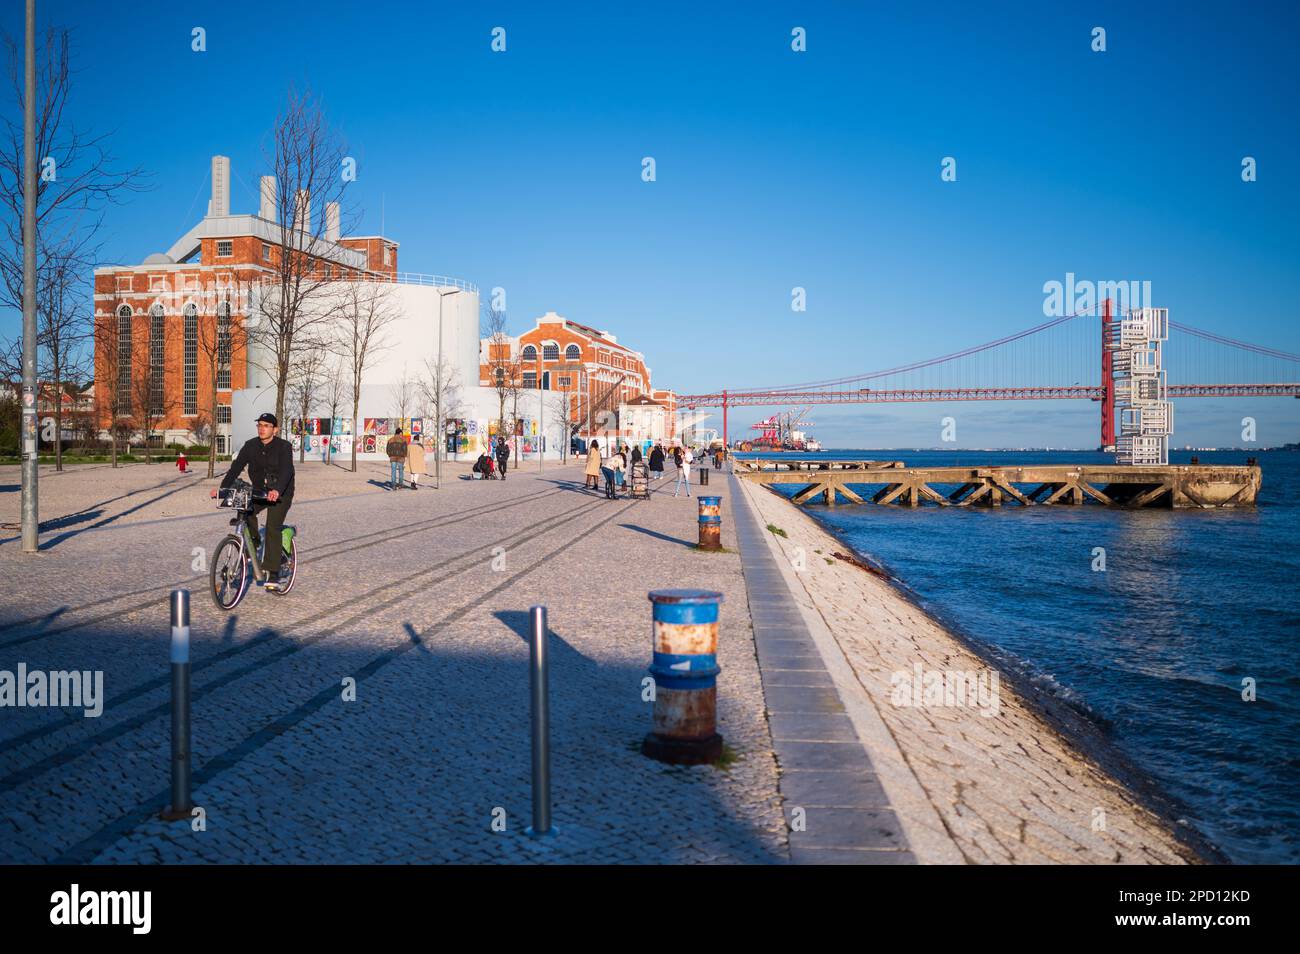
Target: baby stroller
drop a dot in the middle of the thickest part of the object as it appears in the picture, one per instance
(485, 467)
(640, 481)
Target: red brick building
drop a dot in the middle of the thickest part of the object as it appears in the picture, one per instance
(564, 356)
(157, 322)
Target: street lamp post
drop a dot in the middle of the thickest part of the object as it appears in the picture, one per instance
(30, 470)
(437, 398)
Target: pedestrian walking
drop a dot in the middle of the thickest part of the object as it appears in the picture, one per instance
(683, 458)
(592, 471)
(612, 470)
(503, 455)
(396, 459)
(657, 461)
(415, 463)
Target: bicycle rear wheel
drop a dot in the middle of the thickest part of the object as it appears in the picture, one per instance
(229, 574)
(288, 567)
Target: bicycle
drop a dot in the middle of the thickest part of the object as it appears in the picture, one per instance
(237, 562)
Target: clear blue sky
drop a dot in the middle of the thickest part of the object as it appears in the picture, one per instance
(775, 169)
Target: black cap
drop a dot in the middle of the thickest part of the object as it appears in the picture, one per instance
(269, 418)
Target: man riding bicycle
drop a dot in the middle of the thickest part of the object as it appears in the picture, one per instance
(269, 460)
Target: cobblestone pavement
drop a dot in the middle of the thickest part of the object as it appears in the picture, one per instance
(422, 598)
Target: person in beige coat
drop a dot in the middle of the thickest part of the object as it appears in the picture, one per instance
(415, 462)
(593, 466)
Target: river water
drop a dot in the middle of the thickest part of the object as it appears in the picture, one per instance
(1154, 649)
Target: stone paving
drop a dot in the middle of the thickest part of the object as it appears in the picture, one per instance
(421, 598)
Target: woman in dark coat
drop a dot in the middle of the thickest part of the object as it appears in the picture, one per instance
(657, 460)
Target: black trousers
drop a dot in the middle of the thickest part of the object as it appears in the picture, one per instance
(275, 514)
(501, 466)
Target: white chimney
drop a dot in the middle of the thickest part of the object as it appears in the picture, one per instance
(220, 203)
(267, 209)
(302, 211)
(332, 221)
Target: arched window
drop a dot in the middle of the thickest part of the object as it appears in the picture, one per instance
(123, 358)
(529, 353)
(550, 351)
(223, 346)
(573, 353)
(157, 358)
(191, 369)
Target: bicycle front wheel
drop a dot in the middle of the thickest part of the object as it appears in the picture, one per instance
(230, 574)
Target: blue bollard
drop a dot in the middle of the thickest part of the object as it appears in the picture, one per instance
(685, 670)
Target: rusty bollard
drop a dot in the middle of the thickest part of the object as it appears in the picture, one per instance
(710, 523)
(685, 671)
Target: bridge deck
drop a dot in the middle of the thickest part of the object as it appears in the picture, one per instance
(1177, 486)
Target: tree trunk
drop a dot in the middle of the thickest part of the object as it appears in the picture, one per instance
(212, 436)
(356, 407)
(58, 425)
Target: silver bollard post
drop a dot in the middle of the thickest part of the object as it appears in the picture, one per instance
(539, 684)
(180, 660)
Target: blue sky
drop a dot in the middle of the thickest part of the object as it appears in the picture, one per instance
(775, 169)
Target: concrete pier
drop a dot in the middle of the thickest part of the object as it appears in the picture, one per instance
(1183, 486)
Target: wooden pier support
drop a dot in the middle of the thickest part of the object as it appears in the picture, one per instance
(1112, 485)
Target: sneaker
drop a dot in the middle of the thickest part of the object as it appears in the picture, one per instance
(272, 586)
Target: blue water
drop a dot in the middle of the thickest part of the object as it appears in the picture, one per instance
(1155, 648)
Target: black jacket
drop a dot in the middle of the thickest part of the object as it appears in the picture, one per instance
(656, 459)
(503, 453)
(270, 466)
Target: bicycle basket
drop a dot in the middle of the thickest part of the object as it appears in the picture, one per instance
(238, 497)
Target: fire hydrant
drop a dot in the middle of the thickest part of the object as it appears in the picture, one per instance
(180, 461)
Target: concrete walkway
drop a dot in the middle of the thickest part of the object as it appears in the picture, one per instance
(421, 598)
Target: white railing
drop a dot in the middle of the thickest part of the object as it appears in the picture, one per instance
(416, 278)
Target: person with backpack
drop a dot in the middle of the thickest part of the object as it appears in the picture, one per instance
(396, 459)
(503, 455)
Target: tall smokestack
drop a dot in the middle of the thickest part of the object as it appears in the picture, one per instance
(220, 203)
(267, 209)
(302, 211)
(332, 221)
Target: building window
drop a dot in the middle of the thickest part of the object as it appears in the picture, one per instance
(225, 248)
(223, 346)
(501, 377)
(388, 255)
(529, 353)
(565, 382)
(191, 360)
(221, 443)
(550, 351)
(157, 359)
(530, 380)
(223, 413)
(124, 359)
(329, 270)
(573, 353)
(266, 252)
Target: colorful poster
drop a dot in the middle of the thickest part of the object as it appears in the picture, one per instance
(296, 441)
(370, 425)
(381, 444)
(370, 445)
(381, 426)
(417, 426)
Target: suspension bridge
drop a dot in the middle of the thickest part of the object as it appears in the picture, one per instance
(1064, 358)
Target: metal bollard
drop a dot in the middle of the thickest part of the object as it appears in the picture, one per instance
(181, 806)
(685, 670)
(704, 473)
(539, 681)
(710, 523)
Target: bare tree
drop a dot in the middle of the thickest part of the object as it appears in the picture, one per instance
(558, 409)
(505, 372)
(403, 392)
(336, 393)
(63, 328)
(439, 386)
(295, 306)
(222, 340)
(113, 374)
(305, 381)
(364, 313)
(151, 405)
